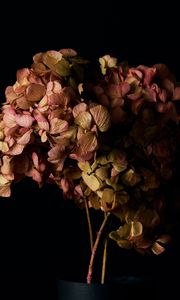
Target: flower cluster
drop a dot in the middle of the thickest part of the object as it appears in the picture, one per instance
(111, 142)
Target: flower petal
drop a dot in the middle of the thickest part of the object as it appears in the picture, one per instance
(101, 117)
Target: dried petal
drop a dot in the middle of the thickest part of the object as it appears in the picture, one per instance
(84, 120)
(101, 117)
(91, 181)
(58, 126)
(24, 120)
(35, 92)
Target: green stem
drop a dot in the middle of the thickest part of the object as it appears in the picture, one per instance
(93, 253)
(89, 224)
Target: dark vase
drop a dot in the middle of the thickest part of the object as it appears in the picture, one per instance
(121, 288)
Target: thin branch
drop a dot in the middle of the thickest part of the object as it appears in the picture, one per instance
(89, 224)
(104, 261)
(93, 253)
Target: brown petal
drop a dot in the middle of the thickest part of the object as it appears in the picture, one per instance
(84, 120)
(23, 103)
(101, 117)
(58, 126)
(35, 92)
(87, 143)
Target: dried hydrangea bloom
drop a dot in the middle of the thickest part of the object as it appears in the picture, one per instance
(112, 141)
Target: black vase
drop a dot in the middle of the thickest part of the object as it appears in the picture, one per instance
(120, 288)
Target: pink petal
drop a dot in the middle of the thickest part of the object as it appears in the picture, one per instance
(41, 120)
(16, 149)
(9, 117)
(24, 120)
(35, 160)
(22, 75)
(79, 108)
(10, 94)
(68, 52)
(24, 140)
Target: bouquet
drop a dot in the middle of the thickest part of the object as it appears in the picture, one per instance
(106, 133)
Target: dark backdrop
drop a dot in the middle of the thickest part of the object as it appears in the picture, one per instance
(41, 236)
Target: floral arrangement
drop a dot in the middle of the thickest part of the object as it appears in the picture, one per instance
(109, 140)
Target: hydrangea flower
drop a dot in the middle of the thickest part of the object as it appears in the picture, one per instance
(110, 143)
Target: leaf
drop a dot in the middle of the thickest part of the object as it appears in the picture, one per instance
(101, 117)
(91, 181)
(79, 70)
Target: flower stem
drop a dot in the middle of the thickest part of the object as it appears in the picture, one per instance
(93, 253)
(104, 261)
(89, 224)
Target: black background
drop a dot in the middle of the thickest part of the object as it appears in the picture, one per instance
(41, 236)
